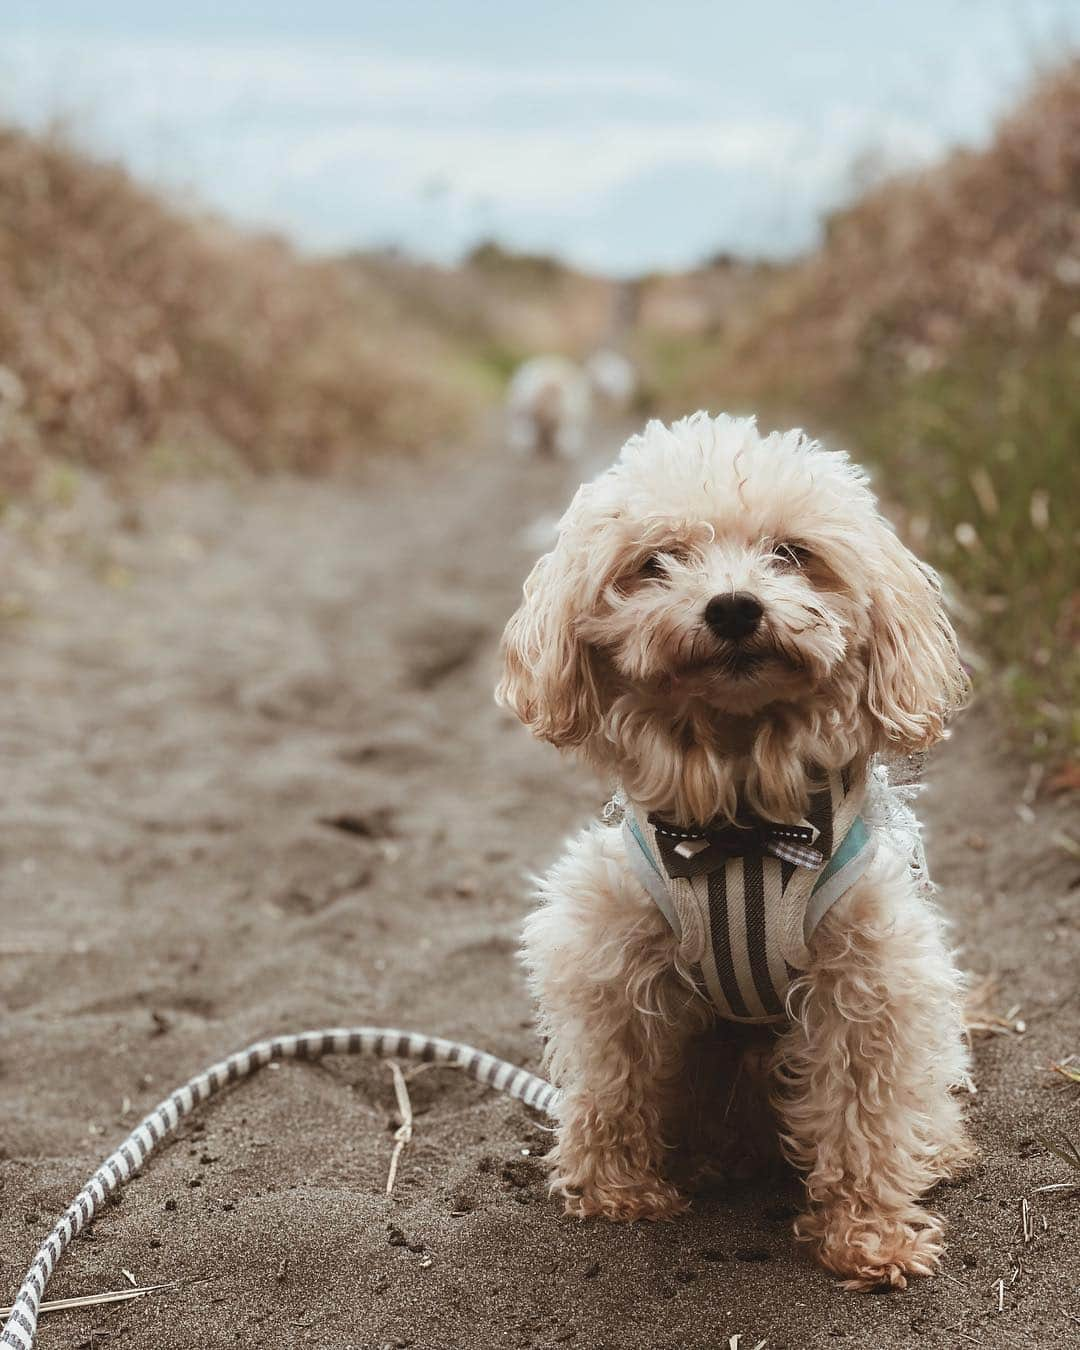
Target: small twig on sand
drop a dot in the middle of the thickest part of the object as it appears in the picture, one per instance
(423, 1068)
(96, 1300)
(1068, 1068)
(959, 1283)
(403, 1134)
(1031, 787)
(1066, 843)
(1062, 1147)
(981, 1019)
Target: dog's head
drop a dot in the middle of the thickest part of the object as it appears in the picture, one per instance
(720, 589)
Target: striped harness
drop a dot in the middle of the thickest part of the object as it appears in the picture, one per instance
(744, 900)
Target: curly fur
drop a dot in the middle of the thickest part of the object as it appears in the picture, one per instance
(609, 655)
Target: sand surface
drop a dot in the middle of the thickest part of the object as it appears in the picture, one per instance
(203, 680)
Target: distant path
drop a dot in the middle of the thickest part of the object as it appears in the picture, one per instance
(255, 781)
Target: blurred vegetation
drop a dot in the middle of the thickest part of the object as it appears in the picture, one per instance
(135, 337)
(984, 455)
(132, 334)
(936, 332)
(498, 307)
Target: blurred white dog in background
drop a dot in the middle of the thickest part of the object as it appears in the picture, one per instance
(548, 406)
(613, 378)
(550, 401)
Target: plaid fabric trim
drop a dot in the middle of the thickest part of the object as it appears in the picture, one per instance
(801, 855)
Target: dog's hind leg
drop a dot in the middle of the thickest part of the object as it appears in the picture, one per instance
(865, 1077)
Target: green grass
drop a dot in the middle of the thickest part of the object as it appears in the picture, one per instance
(984, 455)
(1063, 1147)
(496, 358)
(980, 460)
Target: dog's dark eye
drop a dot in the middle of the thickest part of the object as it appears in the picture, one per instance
(660, 563)
(792, 555)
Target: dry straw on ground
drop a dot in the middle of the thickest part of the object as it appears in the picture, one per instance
(403, 1133)
(125, 1295)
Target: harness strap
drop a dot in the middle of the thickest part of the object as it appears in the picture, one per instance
(647, 871)
(745, 925)
(843, 870)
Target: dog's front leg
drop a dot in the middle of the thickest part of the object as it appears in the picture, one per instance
(618, 1116)
(616, 1019)
(865, 1076)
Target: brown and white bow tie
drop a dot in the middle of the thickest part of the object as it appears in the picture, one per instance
(690, 852)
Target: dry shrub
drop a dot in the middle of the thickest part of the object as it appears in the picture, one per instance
(126, 327)
(989, 243)
(937, 331)
(500, 307)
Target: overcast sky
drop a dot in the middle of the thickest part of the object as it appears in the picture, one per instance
(622, 135)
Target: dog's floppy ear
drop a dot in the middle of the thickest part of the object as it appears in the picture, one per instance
(915, 679)
(550, 677)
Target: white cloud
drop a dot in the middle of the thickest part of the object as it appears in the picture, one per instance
(346, 146)
(223, 77)
(546, 166)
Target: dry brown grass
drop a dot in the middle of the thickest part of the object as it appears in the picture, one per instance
(988, 243)
(128, 328)
(937, 332)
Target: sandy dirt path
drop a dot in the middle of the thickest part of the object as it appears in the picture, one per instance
(199, 691)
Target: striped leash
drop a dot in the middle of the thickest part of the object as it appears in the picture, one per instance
(20, 1328)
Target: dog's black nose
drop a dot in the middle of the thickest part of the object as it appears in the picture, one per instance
(734, 616)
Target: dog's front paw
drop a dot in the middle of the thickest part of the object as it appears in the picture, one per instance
(873, 1253)
(650, 1199)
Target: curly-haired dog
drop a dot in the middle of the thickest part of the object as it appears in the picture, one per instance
(728, 629)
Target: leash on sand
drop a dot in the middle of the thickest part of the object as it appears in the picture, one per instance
(147, 1137)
